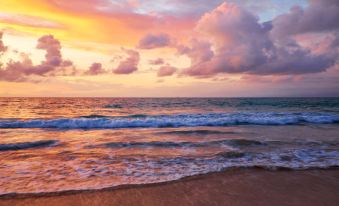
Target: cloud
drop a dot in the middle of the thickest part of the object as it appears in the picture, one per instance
(31, 21)
(199, 51)
(319, 16)
(158, 61)
(228, 39)
(95, 69)
(52, 47)
(53, 64)
(130, 64)
(97, 6)
(17, 70)
(166, 71)
(3, 48)
(152, 41)
(231, 40)
(67, 63)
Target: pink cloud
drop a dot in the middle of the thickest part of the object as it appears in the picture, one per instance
(133, 17)
(52, 47)
(166, 71)
(231, 40)
(130, 64)
(96, 6)
(95, 69)
(52, 65)
(26, 20)
(158, 61)
(199, 51)
(319, 16)
(152, 41)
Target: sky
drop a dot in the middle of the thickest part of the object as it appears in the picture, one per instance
(169, 48)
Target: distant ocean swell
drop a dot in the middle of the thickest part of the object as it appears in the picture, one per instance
(182, 120)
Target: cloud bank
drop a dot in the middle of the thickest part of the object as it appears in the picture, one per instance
(226, 40)
(22, 69)
(232, 40)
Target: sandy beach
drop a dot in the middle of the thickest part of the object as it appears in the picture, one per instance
(233, 187)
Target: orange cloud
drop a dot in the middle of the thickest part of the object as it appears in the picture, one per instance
(91, 21)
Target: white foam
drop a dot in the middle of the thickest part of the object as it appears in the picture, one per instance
(184, 120)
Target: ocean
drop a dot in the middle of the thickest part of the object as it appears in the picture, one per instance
(61, 144)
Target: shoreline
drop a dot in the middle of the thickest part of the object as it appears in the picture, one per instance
(304, 187)
(183, 179)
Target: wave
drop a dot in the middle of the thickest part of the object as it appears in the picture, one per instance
(196, 132)
(230, 142)
(103, 116)
(94, 116)
(113, 106)
(108, 186)
(182, 120)
(288, 158)
(143, 169)
(27, 145)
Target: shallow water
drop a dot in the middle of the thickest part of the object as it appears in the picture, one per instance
(55, 144)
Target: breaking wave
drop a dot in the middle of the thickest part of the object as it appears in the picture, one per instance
(182, 120)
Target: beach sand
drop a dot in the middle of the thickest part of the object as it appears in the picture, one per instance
(233, 187)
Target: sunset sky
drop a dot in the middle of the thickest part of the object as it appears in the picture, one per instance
(169, 48)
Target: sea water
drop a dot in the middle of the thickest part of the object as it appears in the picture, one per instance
(58, 144)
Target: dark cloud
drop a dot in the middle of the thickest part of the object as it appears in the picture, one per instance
(319, 16)
(158, 61)
(152, 41)
(53, 64)
(166, 71)
(130, 64)
(95, 69)
(238, 43)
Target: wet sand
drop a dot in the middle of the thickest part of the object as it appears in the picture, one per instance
(234, 187)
